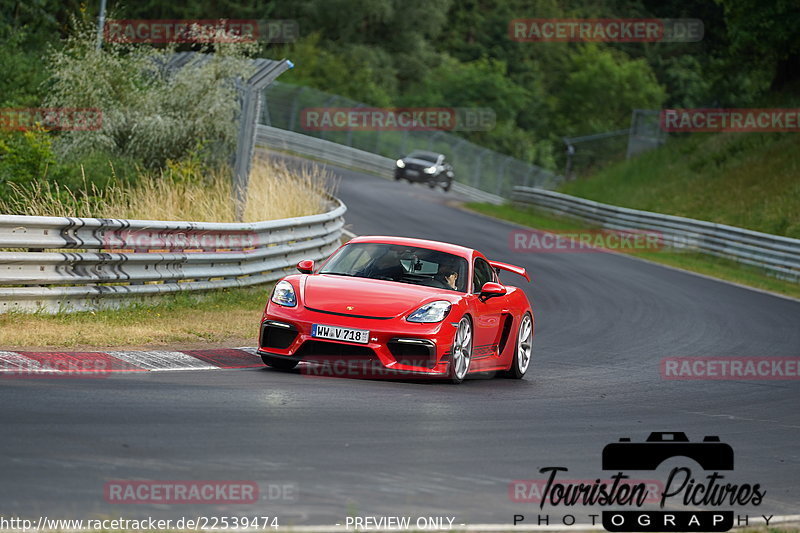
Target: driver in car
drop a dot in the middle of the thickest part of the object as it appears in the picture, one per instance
(447, 275)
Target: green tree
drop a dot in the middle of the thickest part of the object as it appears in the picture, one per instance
(764, 35)
(602, 88)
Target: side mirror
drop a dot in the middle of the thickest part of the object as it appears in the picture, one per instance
(492, 290)
(305, 266)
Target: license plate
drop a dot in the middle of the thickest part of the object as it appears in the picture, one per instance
(412, 172)
(340, 334)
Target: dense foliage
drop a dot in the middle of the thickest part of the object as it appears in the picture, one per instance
(143, 115)
(455, 53)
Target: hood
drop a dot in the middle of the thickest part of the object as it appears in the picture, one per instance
(371, 298)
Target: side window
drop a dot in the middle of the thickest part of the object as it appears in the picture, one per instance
(483, 274)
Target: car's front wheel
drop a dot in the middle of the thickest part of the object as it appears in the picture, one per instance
(524, 348)
(447, 185)
(278, 363)
(461, 351)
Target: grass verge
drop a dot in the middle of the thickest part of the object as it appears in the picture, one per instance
(740, 179)
(227, 318)
(185, 190)
(717, 267)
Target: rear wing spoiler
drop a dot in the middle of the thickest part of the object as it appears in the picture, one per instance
(511, 268)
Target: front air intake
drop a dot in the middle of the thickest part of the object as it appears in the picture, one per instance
(278, 335)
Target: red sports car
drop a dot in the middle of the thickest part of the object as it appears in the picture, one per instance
(402, 306)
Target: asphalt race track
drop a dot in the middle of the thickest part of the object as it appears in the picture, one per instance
(372, 447)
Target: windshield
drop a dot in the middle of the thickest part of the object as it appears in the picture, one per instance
(403, 264)
(426, 156)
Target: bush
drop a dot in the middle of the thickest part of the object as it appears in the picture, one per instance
(24, 157)
(27, 157)
(22, 78)
(149, 114)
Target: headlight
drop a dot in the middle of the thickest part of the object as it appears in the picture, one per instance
(284, 294)
(430, 170)
(432, 312)
(400, 163)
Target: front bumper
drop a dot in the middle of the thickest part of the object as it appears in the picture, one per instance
(394, 345)
(414, 175)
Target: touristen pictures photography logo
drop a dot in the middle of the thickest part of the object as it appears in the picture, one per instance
(688, 499)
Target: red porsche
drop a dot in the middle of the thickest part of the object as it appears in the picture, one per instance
(404, 306)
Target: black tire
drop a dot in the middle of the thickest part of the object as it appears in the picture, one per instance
(458, 370)
(278, 363)
(397, 177)
(431, 184)
(523, 349)
(448, 185)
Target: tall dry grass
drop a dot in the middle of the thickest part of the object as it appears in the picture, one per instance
(185, 191)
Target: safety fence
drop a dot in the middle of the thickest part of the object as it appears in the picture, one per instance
(346, 156)
(475, 166)
(56, 264)
(779, 255)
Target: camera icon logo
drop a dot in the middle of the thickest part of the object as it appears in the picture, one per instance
(710, 454)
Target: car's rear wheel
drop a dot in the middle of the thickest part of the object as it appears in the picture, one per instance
(461, 351)
(279, 363)
(524, 348)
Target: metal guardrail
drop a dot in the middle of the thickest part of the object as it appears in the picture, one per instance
(779, 255)
(96, 263)
(346, 156)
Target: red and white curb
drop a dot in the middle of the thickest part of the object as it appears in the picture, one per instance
(57, 364)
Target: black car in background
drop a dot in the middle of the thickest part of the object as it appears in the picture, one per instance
(425, 167)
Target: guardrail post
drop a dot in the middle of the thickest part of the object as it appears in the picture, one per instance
(293, 110)
(433, 138)
(252, 90)
(501, 177)
(326, 104)
(476, 176)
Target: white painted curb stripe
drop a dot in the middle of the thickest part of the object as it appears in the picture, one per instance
(14, 362)
(162, 360)
(146, 360)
